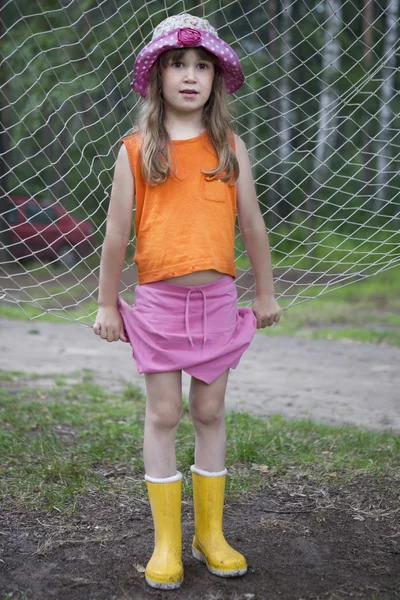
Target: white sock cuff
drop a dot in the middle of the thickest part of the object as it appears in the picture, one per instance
(194, 469)
(171, 479)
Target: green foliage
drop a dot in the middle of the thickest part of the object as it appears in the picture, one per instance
(366, 311)
(68, 89)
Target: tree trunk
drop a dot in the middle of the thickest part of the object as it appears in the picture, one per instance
(63, 163)
(328, 100)
(327, 118)
(273, 183)
(367, 150)
(385, 113)
(4, 149)
(285, 127)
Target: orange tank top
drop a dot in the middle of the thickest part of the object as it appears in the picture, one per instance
(187, 223)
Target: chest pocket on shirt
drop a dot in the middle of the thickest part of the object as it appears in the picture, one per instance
(214, 190)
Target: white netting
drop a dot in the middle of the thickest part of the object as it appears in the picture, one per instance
(319, 113)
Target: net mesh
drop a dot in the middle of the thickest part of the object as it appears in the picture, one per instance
(319, 113)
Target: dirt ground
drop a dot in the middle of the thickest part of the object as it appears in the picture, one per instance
(301, 542)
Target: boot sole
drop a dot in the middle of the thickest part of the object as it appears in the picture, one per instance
(236, 573)
(163, 586)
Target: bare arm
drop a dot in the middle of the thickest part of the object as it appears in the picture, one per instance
(255, 238)
(119, 220)
(108, 323)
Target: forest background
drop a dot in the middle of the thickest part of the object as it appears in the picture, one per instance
(319, 112)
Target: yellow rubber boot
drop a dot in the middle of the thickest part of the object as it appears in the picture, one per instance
(165, 570)
(209, 545)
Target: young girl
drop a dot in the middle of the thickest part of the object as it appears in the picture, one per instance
(190, 175)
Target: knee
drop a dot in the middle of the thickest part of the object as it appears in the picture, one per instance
(206, 412)
(163, 415)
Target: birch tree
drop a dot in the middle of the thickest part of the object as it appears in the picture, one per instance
(328, 100)
(328, 104)
(387, 93)
(285, 128)
(273, 184)
(367, 150)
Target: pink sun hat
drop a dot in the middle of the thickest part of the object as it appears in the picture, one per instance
(182, 31)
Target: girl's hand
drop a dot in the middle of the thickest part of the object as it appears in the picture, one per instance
(266, 310)
(109, 325)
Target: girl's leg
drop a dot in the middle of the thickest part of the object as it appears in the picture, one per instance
(207, 410)
(163, 412)
(163, 409)
(206, 406)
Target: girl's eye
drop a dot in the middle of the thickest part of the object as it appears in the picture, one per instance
(179, 63)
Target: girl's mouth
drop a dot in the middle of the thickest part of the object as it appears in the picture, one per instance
(189, 93)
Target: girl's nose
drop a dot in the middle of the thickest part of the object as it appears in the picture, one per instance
(190, 74)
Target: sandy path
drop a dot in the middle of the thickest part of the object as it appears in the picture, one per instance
(329, 381)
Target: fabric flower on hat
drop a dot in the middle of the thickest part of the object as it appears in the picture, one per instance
(189, 37)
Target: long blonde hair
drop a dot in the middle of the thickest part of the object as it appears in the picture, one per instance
(156, 143)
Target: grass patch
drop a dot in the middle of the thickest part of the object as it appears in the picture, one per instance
(316, 248)
(367, 311)
(85, 312)
(67, 440)
(359, 335)
(10, 375)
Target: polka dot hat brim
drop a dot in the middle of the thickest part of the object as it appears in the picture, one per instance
(191, 32)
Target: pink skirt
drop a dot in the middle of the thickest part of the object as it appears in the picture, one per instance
(195, 328)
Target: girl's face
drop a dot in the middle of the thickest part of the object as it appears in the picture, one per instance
(187, 81)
